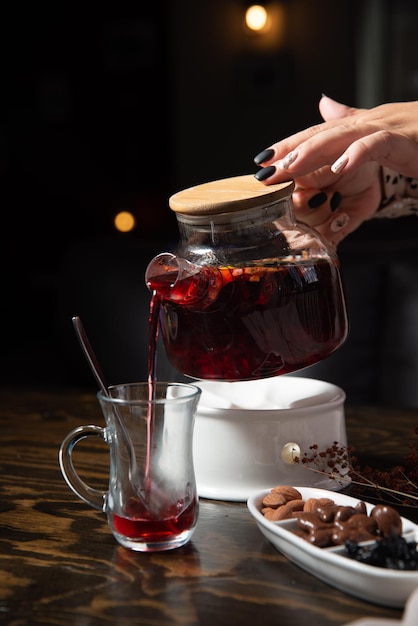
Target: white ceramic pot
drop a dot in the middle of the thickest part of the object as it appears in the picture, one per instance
(246, 433)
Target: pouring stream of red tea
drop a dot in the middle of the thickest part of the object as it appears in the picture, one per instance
(154, 311)
(141, 490)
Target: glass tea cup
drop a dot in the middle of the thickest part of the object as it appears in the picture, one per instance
(151, 501)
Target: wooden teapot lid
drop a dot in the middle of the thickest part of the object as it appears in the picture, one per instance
(228, 194)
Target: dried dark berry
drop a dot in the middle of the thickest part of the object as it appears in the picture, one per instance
(392, 552)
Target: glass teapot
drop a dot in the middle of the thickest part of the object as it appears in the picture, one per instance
(248, 292)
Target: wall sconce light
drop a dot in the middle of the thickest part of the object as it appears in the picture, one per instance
(265, 24)
(124, 221)
(257, 18)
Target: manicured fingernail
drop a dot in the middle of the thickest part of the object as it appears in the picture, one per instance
(263, 156)
(317, 200)
(335, 201)
(339, 164)
(264, 173)
(288, 160)
(339, 222)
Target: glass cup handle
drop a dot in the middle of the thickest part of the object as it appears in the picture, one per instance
(93, 497)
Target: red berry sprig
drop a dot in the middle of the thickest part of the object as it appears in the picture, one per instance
(397, 484)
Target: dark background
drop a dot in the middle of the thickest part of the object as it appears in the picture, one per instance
(104, 110)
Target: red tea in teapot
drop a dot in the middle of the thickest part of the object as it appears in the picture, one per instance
(258, 321)
(249, 292)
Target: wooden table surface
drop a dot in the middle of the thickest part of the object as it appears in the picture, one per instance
(59, 564)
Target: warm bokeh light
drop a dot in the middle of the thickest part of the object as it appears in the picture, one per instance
(256, 17)
(124, 221)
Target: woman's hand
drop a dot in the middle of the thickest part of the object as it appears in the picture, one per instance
(336, 164)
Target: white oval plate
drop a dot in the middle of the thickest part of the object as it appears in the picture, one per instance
(387, 587)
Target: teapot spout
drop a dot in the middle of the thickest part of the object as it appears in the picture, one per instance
(180, 281)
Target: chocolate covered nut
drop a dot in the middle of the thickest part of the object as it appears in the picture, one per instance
(327, 513)
(315, 530)
(361, 507)
(359, 527)
(322, 537)
(360, 521)
(388, 520)
(310, 522)
(345, 512)
(341, 535)
(312, 504)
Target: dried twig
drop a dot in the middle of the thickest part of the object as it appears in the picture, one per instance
(397, 484)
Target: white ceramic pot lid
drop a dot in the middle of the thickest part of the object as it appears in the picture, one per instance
(282, 392)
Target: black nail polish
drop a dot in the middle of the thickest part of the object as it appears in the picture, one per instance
(266, 172)
(263, 156)
(335, 201)
(317, 200)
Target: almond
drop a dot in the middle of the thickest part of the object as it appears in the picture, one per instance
(274, 500)
(286, 511)
(289, 493)
(268, 513)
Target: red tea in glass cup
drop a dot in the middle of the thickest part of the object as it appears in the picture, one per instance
(156, 508)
